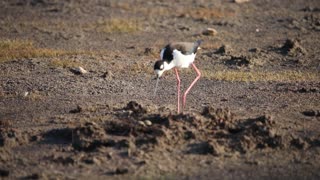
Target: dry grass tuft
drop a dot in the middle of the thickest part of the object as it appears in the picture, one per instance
(118, 25)
(22, 49)
(63, 63)
(208, 13)
(240, 76)
(248, 76)
(195, 12)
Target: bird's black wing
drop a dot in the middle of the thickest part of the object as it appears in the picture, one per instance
(185, 48)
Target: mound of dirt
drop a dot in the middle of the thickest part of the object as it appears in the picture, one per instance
(215, 131)
(250, 134)
(90, 136)
(224, 50)
(135, 108)
(240, 61)
(292, 47)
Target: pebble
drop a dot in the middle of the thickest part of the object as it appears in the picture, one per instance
(79, 70)
(141, 123)
(148, 123)
(25, 94)
(241, 1)
(210, 32)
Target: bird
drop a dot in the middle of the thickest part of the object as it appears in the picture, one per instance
(178, 55)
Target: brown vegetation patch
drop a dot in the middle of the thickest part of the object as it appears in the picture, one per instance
(22, 49)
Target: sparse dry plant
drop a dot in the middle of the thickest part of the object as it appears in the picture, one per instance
(22, 49)
(264, 76)
(64, 63)
(118, 25)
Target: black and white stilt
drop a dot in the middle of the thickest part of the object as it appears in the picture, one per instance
(178, 55)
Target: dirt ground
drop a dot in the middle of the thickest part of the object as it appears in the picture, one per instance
(254, 114)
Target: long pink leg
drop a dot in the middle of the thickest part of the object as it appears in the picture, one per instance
(178, 88)
(194, 81)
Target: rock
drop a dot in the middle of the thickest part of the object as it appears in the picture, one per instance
(79, 70)
(78, 109)
(33, 176)
(135, 107)
(189, 135)
(299, 143)
(108, 75)
(224, 49)
(240, 61)
(141, 123)
(272, 133)
(315, 113)
(206, 147)
(25, 94)
(210, 32)
(92, 160)
(292, 47)
(118, 171)
(148, 122)
(217, 150)
(256, 50)
(241, 1)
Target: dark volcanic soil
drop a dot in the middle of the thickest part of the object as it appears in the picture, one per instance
(56, 123)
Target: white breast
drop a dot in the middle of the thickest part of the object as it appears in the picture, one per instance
(182, 61)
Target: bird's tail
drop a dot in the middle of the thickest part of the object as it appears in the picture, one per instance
(196, 45)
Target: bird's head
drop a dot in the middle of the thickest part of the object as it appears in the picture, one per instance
(159, 68)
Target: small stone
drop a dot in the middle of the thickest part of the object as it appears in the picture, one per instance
(25, 94)
(299, 143)
(93, 160)
(292, 47)
(241, 1)
(272, 133)
(256, 50)
(107, 75)
(148, 122)
(79, 70)
(141, 123)
(121, 171)
(315, 113)
(217, 150)
(78, 109)
(224, 49)
(210, 32)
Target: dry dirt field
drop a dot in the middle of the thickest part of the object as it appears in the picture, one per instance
(254, 114)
